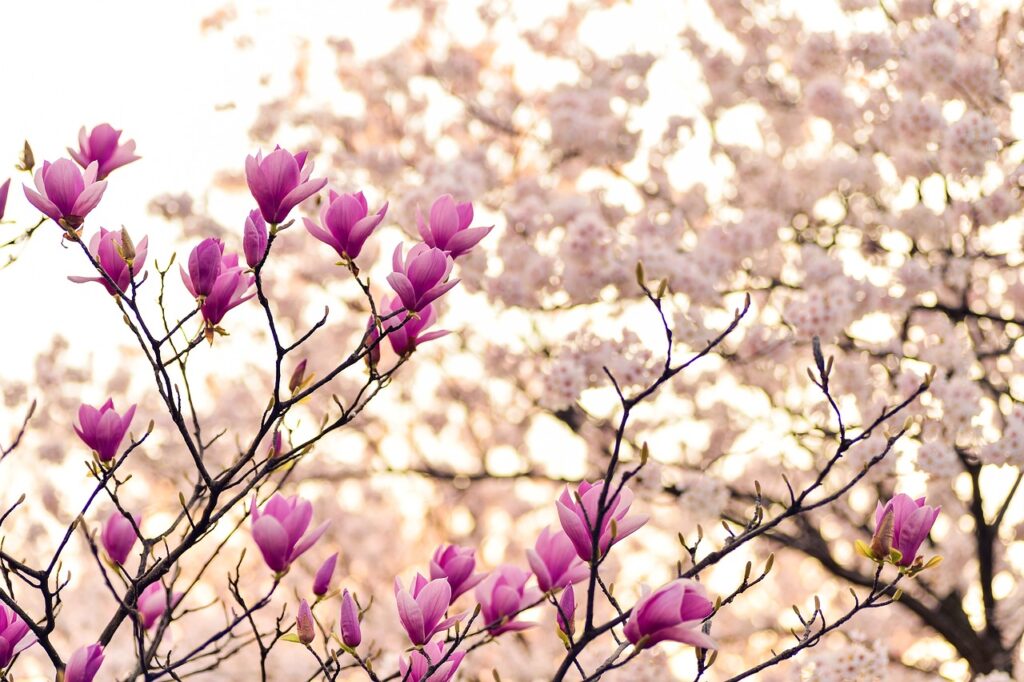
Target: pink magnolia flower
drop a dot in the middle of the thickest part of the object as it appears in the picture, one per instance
(103, 146)
(351, 634)
(304, 627)
(254, 238)
(346, 223)
(119, 536)
(322, 579)
(204, 265)
(153, 602)
(229, 291)
(280, 182)
(14, 635)
(422, 277)
(84, 664)
(578, 518)
(449, 228)
(422, 607)
(673, 613)
(415, 669)
(456, 565)
(503, 595)
(280, 530)
(566, 613)
(404, 336)
(63, 193)
(554, 561)
(912, 521)
(4, 189)
(103, 429)
(107, 247)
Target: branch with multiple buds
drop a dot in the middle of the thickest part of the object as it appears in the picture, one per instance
(566, 566)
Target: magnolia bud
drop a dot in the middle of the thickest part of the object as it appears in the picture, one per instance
(304, 623)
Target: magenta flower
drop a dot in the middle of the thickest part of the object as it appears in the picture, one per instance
(346, 223)
(280, 182)
(304, 623)
(422, 277)
(503, 595)
(415, 669)
(119, 536)
(108, 249)
(103, 429)
(455, 564)
(4, 189)
(229, 291)
(911, 523)
(671, 613)
(103, 146)
(153, 602)
(422, 608)
(204, 265)
(578, 519)
(254, 238)
(449, 228)
(404, 336)
(14, 636)
(351, 634)
(322, 579)
(84, 664)
(554, 561)
(279, 529)
(566, 613)
(64, 194)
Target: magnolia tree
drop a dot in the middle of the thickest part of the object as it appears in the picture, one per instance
(715, 368)
(150, 578)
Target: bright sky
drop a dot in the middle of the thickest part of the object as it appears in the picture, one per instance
(146, 68)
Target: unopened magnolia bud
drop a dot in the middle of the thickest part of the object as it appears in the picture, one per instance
(304, 623)
(881, 541)
(298, 378)
(126, 248)
(28, 159)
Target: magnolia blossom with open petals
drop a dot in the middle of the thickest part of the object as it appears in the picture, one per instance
(674, 613)
(63, 193)
(153, 602)
(103, 145)
(449, 228)
(205, 263)
(280, 182)
(415, 669)
(103, 429)
(503, 595)
(421, 277)
(578, 518)
(345, 223)
(14, 635)
(280, 529)
(108, 248)
(84, 664)
(912, 520)
(455, 564)
(404, 334)
(421, 608)
(555, 562)
(230, 289)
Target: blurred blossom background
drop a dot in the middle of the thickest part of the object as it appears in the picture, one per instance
(732, 147)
